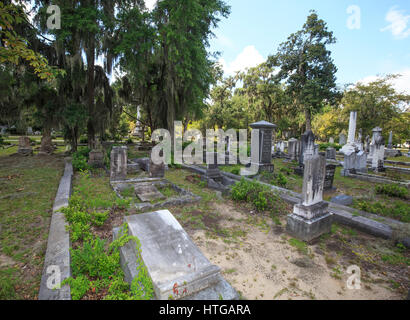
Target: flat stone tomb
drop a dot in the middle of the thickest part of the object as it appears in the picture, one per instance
(147, 192)
(177, 267)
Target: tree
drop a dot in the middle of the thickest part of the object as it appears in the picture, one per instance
(307, 67)
(377, 104)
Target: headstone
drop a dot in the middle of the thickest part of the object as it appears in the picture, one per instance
(29, 131)
(343, 200)
(96, 158)
(377, 150)
(3, 130)
(390, 144)
(46, 147)
(331, 153)
(293, 149)
(156, 170)
(144, 163)
(367, 144)
(264, 159)
(354, 162)
(329, 177)
(342, 139)
(311, 218)
(119, 159)
(307, 147)
(176, 266)
(148, 192)
(25, 148)
(331, 140)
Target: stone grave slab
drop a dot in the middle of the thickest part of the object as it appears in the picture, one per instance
(172, 259)
(148, 193)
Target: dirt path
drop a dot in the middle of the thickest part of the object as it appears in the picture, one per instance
(259, 261)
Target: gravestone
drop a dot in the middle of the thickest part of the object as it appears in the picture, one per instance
(264, 158)
(354, 162)
(342, 139)
(119, 159)
(29, 131)
(293, 149)
(148, 192)
(96, 157)
(307, 147)
(144, 163)
(377, 150)
(212, 170)
(3, 130)
(367, 144)
(329, 177)
(311, 218)
(359, 142)
(331, 140)
(156, 170)
(176, 266)
(390, 144)
(46, 147)
(331, 153)
(25, 148)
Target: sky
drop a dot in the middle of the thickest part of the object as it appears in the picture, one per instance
(373, 37)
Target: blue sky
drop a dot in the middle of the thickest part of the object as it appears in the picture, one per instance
(380, 45)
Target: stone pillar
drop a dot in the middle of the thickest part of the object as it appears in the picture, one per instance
(119, 159)
(264, 161)
(377, 148)
(352, 127)
(351, 145)
(390, 144)
(310, 218)
(25, 148)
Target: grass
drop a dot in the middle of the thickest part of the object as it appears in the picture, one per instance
(28, 186)
(301, 246)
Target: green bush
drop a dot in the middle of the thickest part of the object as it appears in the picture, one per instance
(324, 146)
(83, 140)
(80, 159)
(392, 190)
(398, 209)
(260, 196)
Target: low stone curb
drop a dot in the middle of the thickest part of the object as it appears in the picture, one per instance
(360, 220)
(57, 260)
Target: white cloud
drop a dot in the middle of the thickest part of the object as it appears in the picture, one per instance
(401, 84)
(398, 23)
(248, 58)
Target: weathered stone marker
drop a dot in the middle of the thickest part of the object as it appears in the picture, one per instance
(311, 217)
(307, 147)
(331, 153)
(96, 158)
(390, 144)
(264, 162)
(25, 148)
(342, 139)
(377, 150)
(119, 159)
(293, 149)
(329, 177)
(354, 162)
(177, 267)
(351, 145)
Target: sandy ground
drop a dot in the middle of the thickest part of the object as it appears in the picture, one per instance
(263, 265)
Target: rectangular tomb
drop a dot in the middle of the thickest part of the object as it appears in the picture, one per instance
(177, 267)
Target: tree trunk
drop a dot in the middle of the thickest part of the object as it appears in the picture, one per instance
(308, 117)
(91, 92)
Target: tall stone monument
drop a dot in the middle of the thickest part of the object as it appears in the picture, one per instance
(311, 218)
(264, 159)
(390, 144)
(119, 159)
(96, 158)
(351, 145)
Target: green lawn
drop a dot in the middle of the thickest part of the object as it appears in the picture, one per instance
(28, 186)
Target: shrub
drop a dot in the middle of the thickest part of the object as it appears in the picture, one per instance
(392, 190)
(260, 196)
(83, 140)
(80, 159)
(399, 210)
(324, 146)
